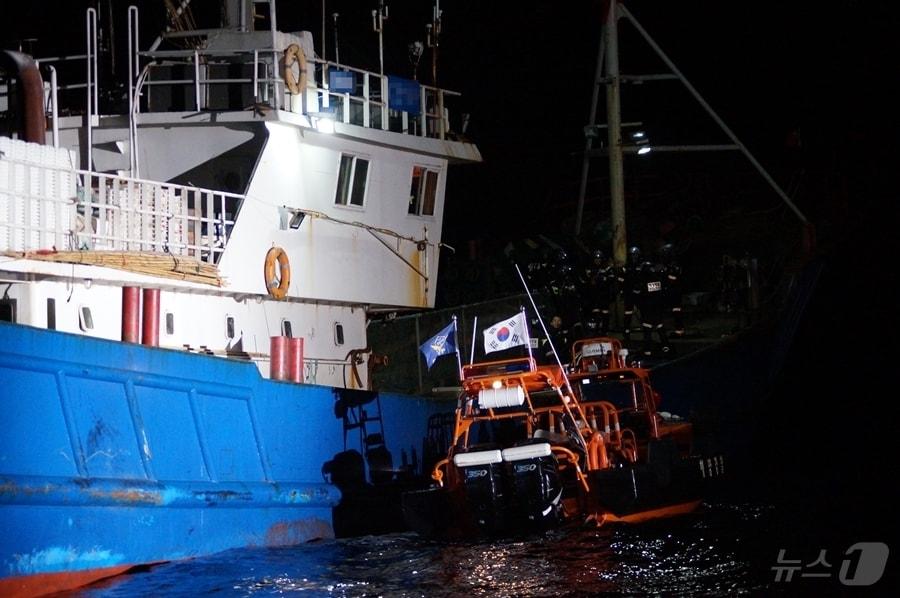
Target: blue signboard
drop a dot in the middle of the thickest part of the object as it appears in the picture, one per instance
(403, 95)
(341, 81)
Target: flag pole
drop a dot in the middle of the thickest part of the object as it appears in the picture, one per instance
(527, 339)
(456, 346)
(474, 332)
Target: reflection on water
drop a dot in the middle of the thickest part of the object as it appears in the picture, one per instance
(708, 553)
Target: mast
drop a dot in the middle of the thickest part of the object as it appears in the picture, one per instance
(608, 57)
(614, 131)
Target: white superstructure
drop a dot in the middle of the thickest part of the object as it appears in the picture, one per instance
(216, 162)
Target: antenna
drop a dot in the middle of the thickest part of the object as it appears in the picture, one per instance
(415, 53)
(544, 328)
(433, 34)
(337, 55)
(575, 432)
(474, 332)
(379, 16)
(434, 37)
(322, 43)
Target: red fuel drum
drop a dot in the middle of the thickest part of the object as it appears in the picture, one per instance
(131, 314)
(278, 357)
(295, 360)
(150, 335)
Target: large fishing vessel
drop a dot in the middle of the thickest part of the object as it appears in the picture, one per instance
(186, 284)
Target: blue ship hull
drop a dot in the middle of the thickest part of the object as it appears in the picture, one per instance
(114, 455)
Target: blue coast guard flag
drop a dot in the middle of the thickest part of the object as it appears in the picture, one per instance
(442, 343)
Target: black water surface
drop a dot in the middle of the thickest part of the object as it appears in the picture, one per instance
(711, 552)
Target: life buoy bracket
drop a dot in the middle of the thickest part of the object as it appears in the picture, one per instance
(277, 286)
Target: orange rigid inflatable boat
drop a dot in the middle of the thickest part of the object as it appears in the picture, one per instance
(535, 447)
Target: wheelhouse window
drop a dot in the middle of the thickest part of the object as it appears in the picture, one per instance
(352, 175)
(229, 327)
(338, 334)
(422, 191)
(286, 328)
(170, 323)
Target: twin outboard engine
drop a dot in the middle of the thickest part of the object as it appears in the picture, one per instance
(481, 472)
(535, 489)
(514, 490)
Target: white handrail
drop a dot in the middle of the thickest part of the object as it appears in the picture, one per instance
(370, 109)
(68, 208)
(91, 28)
(54, 99)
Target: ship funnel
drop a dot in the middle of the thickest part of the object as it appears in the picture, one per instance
(29, 95)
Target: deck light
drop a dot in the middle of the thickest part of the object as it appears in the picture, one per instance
(323, 122)
(496, 384)
(644, 150)
(325, 125)
(297, 219)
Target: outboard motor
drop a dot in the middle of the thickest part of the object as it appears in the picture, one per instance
(535, 489)
(346, 471)
(481, 472)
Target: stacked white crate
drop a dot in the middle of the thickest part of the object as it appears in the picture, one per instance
(37, 188)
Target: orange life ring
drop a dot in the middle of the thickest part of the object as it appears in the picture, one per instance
(294, 53)
(277, 287)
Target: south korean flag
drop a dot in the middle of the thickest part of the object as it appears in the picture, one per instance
(511, 332)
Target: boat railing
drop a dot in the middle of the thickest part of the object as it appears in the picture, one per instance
(311, 365)
(504, 367)
(366, 105)
(238, 79)
(235, 78)
(44, 207)
(347, 94)
(196, 72)
(119, 213)
(370, 103)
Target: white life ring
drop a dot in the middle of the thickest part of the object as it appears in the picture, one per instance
(294, 54)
